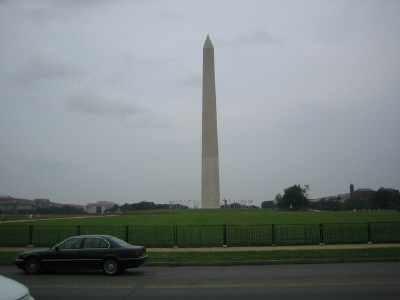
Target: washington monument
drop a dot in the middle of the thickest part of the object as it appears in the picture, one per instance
(210, 166)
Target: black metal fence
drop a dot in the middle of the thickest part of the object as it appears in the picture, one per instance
(211, 235)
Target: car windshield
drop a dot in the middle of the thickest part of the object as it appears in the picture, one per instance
(120, 242)
(60, 243)
(71, 244)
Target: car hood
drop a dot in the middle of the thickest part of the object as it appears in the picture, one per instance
(13, 290)
(37, 251)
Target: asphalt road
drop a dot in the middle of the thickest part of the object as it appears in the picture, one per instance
(370, 280)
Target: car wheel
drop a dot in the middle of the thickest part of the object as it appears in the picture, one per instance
(111, 266)
(33, 265)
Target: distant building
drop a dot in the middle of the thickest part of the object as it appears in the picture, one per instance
(11, 204)
(43, 203)
(76, 206)
(394, 192)
(363, 193)
(367, 192)
(99, 207)
(56, 205)
(339, 197)
(344, 197)
(8, 204)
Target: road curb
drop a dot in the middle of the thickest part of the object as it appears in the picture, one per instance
(259, 262)
(272, 262)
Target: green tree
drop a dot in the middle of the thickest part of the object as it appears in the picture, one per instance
(328, 204)
(381, 199)
(143, 205)
(351, 204)
(125, 207)
(268, 204)
(294, 197)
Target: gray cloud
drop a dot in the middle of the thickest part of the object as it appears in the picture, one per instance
(250, 38)
(45, 65)
(93, 101)
(90, 99)
(193, 80)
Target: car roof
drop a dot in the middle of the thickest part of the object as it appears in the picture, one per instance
(91, 236)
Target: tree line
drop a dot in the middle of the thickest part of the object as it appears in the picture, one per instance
(296, 198)
(144, 205)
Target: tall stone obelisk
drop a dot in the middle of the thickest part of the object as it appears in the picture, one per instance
(210, 197)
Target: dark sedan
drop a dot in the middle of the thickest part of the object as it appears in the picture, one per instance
(84, 252)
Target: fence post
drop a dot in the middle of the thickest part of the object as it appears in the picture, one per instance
(273, 235)
(369, 241)
(78, 230)
(127, 233)
(224, 244)
(30, 235)
(321, 234)
(175, 236)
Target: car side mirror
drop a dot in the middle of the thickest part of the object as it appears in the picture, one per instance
(56, 248)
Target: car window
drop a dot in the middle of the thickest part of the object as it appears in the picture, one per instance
(120, 242)
(103, 244)
(71, 244)
(95, 243)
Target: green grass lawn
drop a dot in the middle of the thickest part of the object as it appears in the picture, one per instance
(214, 217)
(225, 217)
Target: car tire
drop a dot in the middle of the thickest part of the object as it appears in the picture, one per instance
(111, 266)
(33, 265)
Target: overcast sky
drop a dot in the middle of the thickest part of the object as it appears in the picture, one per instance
(101, 100)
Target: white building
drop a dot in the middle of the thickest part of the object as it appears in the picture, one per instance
(99, 207)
